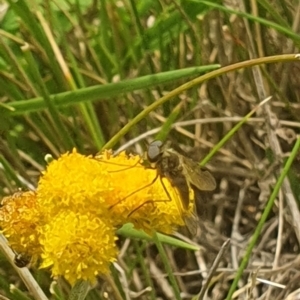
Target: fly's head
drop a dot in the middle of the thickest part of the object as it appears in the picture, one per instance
(155, 152)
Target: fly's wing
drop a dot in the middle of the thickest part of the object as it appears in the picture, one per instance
(202, 199)
(192, 222)
(182, 197)
(196, 176)
(172, 170)
(180, 184)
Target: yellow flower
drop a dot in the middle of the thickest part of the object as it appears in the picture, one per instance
(78, 238)
(138, 195)
(78, 246)
(70, 221)
(74, 182)
(19, 219)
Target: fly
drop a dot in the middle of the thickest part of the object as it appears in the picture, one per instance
(183, 173)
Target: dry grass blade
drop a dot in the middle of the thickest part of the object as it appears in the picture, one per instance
(24, 273)
(213, 270)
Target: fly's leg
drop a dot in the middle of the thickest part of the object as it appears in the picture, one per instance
(126, 167)
(136, 191)
(153, 201)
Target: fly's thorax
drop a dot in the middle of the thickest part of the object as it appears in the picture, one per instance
(173, 162)
(164, 164)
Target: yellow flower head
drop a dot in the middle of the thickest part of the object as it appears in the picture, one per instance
(74, 182)
(139, 196)
(78, 246)
(19, 219)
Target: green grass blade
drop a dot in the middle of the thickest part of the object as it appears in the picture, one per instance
(129, 231)
(227, 137)
(263, 218)
(168, 267)
(287, 31)
(104, 91)
(194, 82)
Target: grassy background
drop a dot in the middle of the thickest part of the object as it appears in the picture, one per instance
(74, 73)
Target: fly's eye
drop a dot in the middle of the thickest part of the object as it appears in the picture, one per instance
(154, 151)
